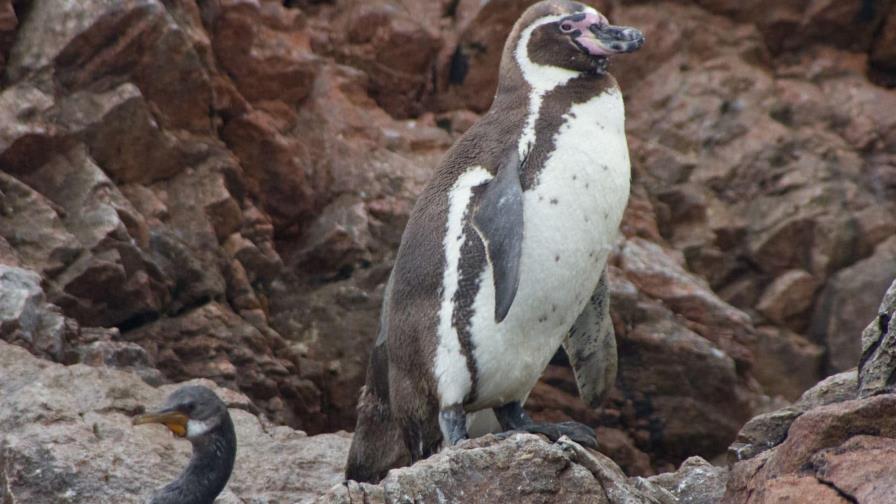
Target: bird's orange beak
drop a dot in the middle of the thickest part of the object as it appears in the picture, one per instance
(174, 420)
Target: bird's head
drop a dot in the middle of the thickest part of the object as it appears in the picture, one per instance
(570, 36)
(191, 411)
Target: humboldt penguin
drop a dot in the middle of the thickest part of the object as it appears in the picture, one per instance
(503, 259)
(198, 414)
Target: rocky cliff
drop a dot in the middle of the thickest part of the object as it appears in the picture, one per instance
(216, 189)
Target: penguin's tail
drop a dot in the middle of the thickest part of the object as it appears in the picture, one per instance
(378, 443)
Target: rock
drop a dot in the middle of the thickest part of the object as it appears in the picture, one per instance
(818, 443)
(264, 48)
(620, 447)
(339, 238)
(67, 437)
(769, 429)
(883, 50)
(32, 226)
(395, 43)
(696, 482)
(852, 297)
(155, 51)
(656, 274)
(859, 468)
(111, 230)
(27, 319)
(674, 378)
(522, 468)
(788, 297)
(795, 24)
(877, 366)
(212, 342)
(787, 364)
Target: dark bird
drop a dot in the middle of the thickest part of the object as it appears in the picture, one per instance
(198, 414)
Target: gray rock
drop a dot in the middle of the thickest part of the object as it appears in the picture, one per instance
(695, 482)
(27, 319)
(877, 366)
(850, 298)
(523, 468)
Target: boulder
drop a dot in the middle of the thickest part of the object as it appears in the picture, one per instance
(521, 468)
(848, 301)
(877, 366)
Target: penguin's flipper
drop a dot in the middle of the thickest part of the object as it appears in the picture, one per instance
(498, 218)
(591, 347)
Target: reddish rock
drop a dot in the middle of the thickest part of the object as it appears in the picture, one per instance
(656, 274)
(395, 43)
(153, 49)
(786, 363)
(861, 468)
(212, 342)
(264, 48)
(620, 447)
(788, 297)
(829, 426)
(339, 238)
(690, 381)
(794, 24)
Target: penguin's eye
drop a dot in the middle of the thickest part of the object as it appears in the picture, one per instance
(566, 27)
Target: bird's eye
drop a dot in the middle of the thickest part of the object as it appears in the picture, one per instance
(566, 27)
(188, 407)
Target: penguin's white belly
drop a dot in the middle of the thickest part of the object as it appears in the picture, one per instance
(571, 219)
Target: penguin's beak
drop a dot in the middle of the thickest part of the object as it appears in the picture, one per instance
(173, 419)
(595, 36)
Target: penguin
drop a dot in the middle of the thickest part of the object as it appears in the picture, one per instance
(503, 258)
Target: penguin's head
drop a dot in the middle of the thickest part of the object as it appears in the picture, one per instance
(571, 36)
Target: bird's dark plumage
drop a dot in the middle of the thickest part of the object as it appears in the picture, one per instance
(198, 414)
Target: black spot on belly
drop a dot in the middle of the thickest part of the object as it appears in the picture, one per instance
(574, 177)
(553, 308)
(556, 258)
(587, 185)
(554, 201)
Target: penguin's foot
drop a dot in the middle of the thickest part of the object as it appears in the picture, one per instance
(453, 423)
(512, 418)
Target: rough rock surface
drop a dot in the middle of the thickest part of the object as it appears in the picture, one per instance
(877, 367)
(836, 444)
(522, 468)
(215, 190)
